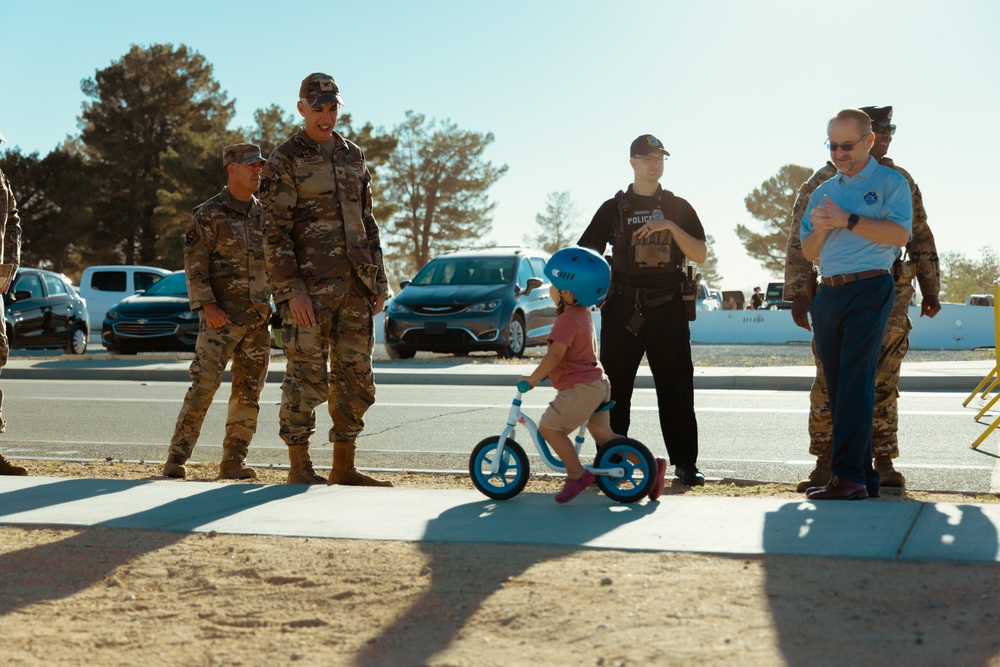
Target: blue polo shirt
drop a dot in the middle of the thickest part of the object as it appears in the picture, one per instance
(875, 192)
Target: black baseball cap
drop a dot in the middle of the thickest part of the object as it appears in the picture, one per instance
(879, 114)
(646, 144)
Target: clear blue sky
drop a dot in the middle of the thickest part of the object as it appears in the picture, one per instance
(734, 89)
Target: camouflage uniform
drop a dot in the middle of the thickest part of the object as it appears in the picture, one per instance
(10, 252)
(921, 260)
(225, 260)
(323, 241)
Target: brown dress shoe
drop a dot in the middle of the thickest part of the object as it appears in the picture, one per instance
(839, 489)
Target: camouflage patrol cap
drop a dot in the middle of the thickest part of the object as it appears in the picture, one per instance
(646, 144)
(878, 114)
(318, 89)
(241, 154)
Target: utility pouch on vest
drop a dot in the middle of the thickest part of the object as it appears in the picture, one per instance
(689, 294)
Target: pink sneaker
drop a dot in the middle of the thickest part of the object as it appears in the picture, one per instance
(661, 472)
(574, 487)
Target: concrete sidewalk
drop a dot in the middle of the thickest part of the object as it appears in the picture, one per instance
(921, 376)
(874, 529)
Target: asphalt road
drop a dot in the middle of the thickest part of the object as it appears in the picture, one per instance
(755, 435)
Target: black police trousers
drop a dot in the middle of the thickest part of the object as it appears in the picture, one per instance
(665, 338)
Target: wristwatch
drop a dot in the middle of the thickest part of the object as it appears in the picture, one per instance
(852, 220)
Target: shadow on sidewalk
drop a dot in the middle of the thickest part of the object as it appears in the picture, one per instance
(37, 570)
(920, 609)
(441, 613)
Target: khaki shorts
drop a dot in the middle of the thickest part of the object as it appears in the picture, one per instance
(575, 406)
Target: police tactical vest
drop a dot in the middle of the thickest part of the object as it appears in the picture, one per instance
(655, 257)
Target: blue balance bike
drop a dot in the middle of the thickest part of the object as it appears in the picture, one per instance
(625, 469)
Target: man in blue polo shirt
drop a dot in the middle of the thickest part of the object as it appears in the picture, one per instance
(855, 224)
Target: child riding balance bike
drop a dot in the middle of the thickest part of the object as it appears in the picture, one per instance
(624, 469)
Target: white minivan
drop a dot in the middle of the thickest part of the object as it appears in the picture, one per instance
(104, 286)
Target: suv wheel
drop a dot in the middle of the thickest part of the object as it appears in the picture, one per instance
(77, 343)
(514, 348)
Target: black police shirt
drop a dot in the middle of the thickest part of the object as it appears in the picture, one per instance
(664, 205)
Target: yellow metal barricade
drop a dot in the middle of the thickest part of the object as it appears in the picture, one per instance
(991, 381)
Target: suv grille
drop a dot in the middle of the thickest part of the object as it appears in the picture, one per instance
(149, 329)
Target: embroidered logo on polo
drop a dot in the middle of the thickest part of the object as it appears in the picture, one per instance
(870, 197)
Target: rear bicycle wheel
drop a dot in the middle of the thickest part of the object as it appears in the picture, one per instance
(639, 466)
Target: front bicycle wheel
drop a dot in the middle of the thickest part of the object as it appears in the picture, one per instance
(639, 466)
(509, 479)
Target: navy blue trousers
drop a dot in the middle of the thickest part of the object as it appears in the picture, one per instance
(849, 323)
(665, 339)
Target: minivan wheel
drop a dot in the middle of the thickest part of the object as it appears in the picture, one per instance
(514, 348)
(77, 343)
(400, 352)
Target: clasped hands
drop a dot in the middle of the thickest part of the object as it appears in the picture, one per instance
(828, 216)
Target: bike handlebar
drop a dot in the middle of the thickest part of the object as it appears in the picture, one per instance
(523, 386)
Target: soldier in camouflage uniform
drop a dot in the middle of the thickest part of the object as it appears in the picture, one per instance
(225, 260)
(920, 260)
(10, 252)
(329, 281)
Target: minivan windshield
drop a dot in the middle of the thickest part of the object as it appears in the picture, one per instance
(173, 285)
(466, 271)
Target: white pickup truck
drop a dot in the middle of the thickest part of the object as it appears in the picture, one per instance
(104, 286)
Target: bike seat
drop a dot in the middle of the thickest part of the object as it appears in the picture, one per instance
(606, 405)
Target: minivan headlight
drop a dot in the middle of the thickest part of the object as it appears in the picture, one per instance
(396, 307)
(484, 307)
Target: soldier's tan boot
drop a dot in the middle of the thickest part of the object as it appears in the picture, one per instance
(233, 466)
(174, 467)
(819, 476)
(301, 470)
(888, 476)
(8, 468)
(345, 473)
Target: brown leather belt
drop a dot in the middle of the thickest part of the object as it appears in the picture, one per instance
(844, 278)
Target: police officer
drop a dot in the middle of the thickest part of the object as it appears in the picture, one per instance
(225, 260)
(10, 253)
(653, 233)
(329, 281)
(920, 259)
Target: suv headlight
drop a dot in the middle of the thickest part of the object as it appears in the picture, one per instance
(396, 307)
(188, 315)
(111, 315)
(484, 307)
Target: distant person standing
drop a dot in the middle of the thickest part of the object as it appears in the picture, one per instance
(855, 225)
(329, 281)
(653, 233)
(226, 271)
(10, 253)
(757, 300)
(921, 260)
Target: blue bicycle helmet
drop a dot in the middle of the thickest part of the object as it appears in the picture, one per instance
(580, 271)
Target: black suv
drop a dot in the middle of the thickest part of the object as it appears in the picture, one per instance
(773, 299)
(495, 299)
(42, 310)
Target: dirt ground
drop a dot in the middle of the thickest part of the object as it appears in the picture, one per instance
(123, 597)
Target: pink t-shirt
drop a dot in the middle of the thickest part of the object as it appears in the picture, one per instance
(574, 328)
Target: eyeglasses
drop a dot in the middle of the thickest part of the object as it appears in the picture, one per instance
(651, 159)
(847, 146)
(882, 128)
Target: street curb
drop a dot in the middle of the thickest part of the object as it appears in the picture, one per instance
(706, 378)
